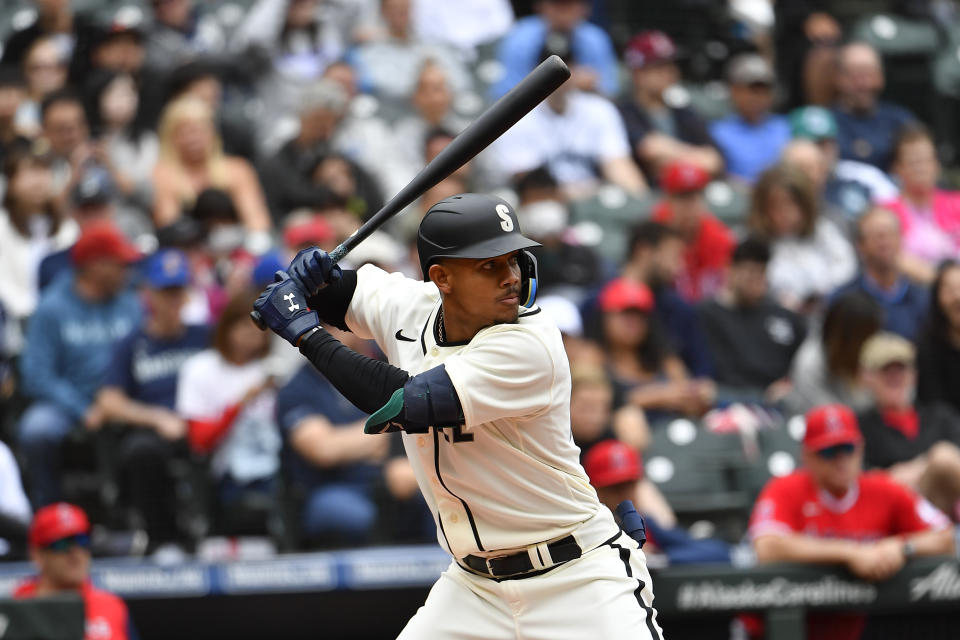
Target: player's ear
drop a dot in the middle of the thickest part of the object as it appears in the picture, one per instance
(440, 276)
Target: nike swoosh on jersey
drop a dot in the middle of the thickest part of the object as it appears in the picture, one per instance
(399, 336)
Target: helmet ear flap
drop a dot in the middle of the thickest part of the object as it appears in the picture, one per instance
(528, 278)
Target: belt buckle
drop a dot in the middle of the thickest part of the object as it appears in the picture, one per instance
(489, 567)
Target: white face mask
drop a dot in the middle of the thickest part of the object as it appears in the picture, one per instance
(541, 219)
(226, 238)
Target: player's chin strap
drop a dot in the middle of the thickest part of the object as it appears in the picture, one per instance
(528, 270)
(631, 522)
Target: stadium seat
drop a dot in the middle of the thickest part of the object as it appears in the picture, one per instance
(612, 212)
(700, 473)
(894, 35)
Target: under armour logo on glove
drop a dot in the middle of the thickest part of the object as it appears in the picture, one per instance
(293, 305)
(281, 312)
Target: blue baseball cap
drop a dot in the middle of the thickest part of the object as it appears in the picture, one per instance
(269, 264)
(95, 187)
(167, 268)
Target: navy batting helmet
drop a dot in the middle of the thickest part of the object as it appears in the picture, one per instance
(475, 225)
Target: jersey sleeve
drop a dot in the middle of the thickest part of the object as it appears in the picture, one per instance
(912, 512)
(120, 372)
(508, 373)
(377, 300)
(777, 511)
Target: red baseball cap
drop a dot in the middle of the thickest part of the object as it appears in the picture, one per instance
(101, 239)
(55, 522)
(612, 462)
(681, 176)
(310, 230)
(622, 294)
(649, 47)
(830, 425)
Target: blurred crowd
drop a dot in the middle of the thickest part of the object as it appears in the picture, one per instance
(738, 218)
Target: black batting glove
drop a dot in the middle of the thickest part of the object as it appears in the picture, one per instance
(283, 307)
(313, 269)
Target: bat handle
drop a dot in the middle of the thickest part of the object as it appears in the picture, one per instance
(258, 320)
(337, 254)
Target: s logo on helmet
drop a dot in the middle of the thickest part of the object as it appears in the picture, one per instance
(506, 222)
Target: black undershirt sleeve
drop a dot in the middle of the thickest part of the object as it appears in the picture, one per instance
(332, 301)
(365, 382)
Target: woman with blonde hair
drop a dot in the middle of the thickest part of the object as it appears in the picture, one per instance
(192, 159)
(810, 257)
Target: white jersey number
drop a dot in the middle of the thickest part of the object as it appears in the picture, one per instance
(506, 222)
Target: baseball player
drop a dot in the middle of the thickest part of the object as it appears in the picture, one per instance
(479, 384)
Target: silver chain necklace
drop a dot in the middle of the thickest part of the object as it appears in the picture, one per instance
(440, 330)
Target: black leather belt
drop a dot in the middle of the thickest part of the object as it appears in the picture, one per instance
(563, 550)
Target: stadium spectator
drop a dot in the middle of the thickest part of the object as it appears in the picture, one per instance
(805, 37)
(751, 138)
(54, 18)
(45, 71)
(753, 339)
(351, 186)
(929, 216)
(327, 458)
(60, 550)
(181, 31)
(616, 472)
(659, 132)
(522, 48)
(579, 136)
(140, 389)
(592, 415)
(388, 67)
(656, 259)
(851, 185)
(916, 443)
(286, 175)
(227, 397)
(126, 150)
(808, 158)
(203, 79)
(70, 340)
(830, 512)
(939, 341)
(905, 303)
(304, 229)
(563, 265)
(295, 41)
(191, 160)
(866, 125)
(645, 370)
(464, 25)
(432, 102)
(66, 131)
(115, 42)
(708, 243)
(31, 227)
(90, 201)
(12, 94)
(15, 509)
(826, 368)
(811, 257)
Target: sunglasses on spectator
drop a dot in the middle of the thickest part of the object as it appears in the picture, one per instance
(63, 545)
(836, 450)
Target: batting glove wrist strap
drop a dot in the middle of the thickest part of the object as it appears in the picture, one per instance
(312, 270)
(283, 306)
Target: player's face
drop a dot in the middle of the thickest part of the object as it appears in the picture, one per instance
(484, 291)
(748, 280)
(837, 472)
(893, 385)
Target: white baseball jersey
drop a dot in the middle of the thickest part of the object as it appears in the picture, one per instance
(510, 477)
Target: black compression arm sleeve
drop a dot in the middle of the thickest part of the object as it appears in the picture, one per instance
(332, 301)
(365, 382)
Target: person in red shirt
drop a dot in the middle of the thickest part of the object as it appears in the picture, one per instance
(830, 512)
(709, 243)
(59, 539)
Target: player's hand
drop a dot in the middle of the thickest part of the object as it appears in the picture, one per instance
(283, 307)
(312, 270)
(878, 560)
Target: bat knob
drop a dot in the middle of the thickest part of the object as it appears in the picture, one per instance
(258, 320)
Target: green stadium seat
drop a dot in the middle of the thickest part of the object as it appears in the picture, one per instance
(894, 35)
(613, 212)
